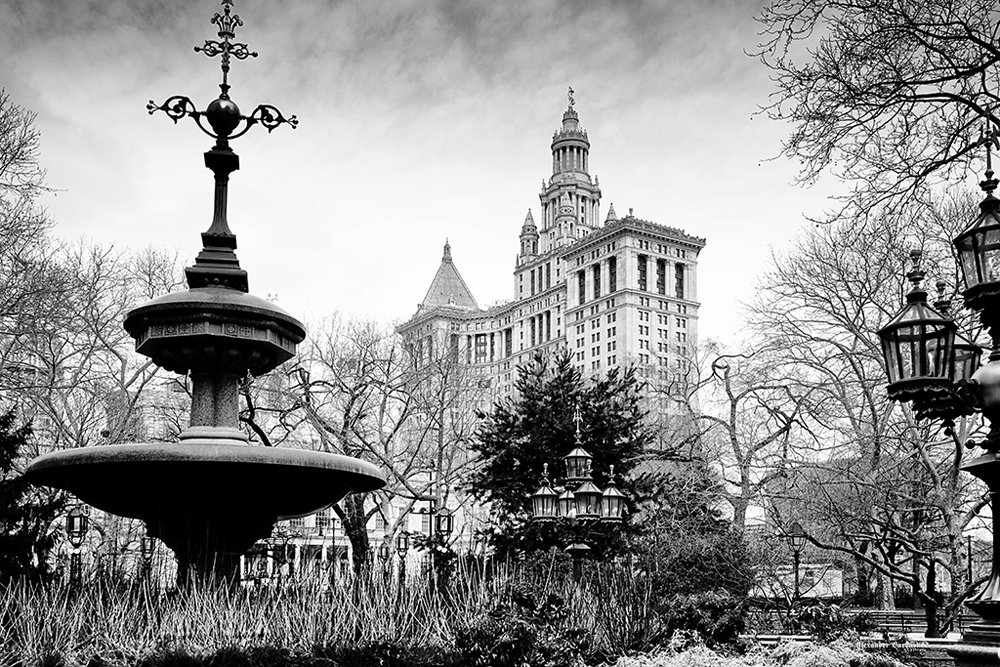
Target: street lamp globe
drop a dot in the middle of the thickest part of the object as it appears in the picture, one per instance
(612, 505)
(543, 501)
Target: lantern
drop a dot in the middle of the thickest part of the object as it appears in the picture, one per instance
(796, 537)
(445, 521)
(577, 466)
(566, 505)
(979, 249)
(76, 527)
(543, 504)
(402, 543)
(383, 552)
(918, 346)
(967, 356)
(612, 504)
(588, 501)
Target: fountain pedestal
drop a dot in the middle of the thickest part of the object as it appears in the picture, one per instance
(211, 495)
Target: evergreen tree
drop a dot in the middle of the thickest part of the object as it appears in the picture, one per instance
(536, 427)
(25, 512)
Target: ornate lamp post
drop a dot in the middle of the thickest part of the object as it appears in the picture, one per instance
(796, 538)
(581, 502)
(929, 368)
(77, 524)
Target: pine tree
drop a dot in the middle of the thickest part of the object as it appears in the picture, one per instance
(536, 427)
(26, 513)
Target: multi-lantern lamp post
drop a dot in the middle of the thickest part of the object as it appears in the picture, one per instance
(933, 367)
(580, 503)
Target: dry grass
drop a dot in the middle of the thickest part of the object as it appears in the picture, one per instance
(122, 622)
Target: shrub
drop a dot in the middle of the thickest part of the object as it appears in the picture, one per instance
(716, 616)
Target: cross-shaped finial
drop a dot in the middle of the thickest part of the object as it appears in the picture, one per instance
(227, 23)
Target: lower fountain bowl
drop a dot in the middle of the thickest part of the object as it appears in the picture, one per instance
(202, 498)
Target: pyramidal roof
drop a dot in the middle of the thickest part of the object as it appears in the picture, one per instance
(448, 289)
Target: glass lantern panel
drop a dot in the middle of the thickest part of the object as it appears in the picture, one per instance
(567, 505)
(893, 363)
(588, 504)
(967, 260)
(990, 253)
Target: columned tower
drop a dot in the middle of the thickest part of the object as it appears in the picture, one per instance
(571, 201)
(529, 239)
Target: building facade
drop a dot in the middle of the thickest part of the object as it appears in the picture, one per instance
(612, 291)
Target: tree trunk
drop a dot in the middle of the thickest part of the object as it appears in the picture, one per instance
(930, 600)
(884, 598)
(351, 511)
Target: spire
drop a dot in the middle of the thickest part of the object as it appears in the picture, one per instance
(529, 221)
(448, 288)
(612, 216)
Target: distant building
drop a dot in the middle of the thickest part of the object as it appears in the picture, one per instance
(613, 291)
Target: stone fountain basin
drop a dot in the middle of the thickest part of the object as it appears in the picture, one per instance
(145, 481)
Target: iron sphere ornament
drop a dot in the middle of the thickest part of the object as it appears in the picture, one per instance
(223, 115)
(918, 346)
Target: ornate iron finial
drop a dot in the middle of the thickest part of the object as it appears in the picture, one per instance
(545, 474)
(217, 264)
(570, 96)
(223, 115)
(227, 30)
(577, 418)
(943, 303)
(611, 473)
(989, 138)
(916, 275)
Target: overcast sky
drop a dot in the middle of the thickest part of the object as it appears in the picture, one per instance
(420, 120)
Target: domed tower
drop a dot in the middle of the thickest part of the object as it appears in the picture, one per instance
(529, 238)
(571, 186)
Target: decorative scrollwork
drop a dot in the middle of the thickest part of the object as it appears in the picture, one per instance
(270, 117)
(175, 107)
(238, 50)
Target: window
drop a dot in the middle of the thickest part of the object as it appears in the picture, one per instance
(679, 281)
(661, 276)
(643, 315)
(612, 331)
(581, 286)
(612, 317)
(682, 323)
(597, 280)
(595, 337)
(643, 344)
(643, 330)
(548, 276)
(644, 301)
(612, 274)
(580, 328)
(643, 260)
(579, 342)
(532, 281)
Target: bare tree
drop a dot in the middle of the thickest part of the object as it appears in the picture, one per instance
(891, 97)
(883, 488)
(356, 391)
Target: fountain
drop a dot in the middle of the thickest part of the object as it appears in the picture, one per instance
(210, 496)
